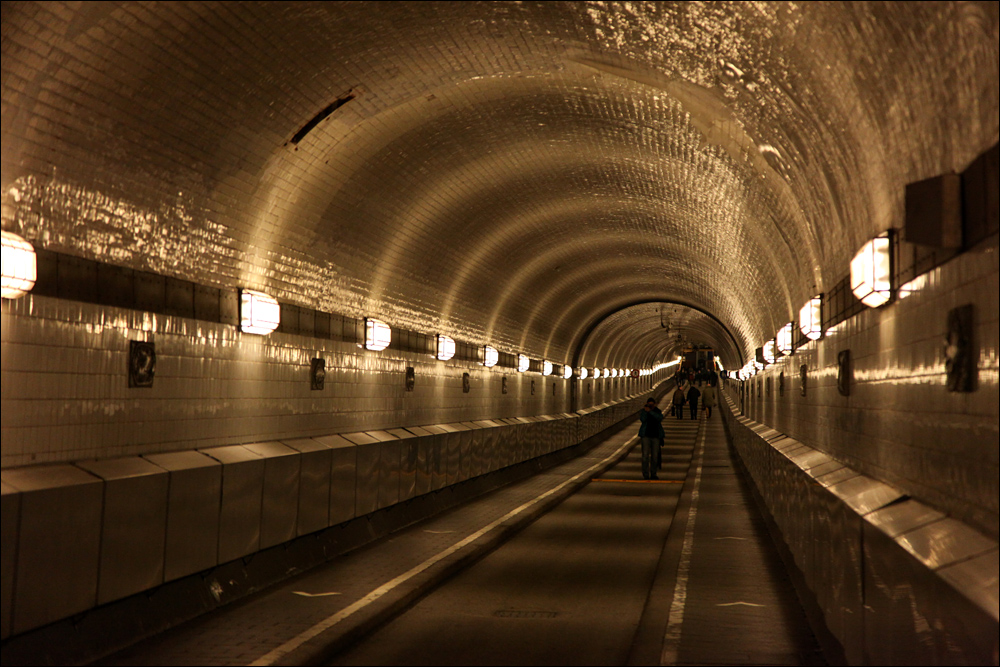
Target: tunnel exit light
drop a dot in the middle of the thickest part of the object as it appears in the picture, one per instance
(871, 279)
(19, 268)
(490, 356)
(445, 347)
(259, 313)
(523, 363)
(811, 318)
(378, 334)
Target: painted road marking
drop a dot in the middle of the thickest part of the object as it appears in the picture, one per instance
(276, 654)
(315, 595)
(740, 603)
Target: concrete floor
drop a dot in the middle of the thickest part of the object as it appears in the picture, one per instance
(621, 571)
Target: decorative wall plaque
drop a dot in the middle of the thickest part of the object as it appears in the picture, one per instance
(844, 372)
(141, 363)
(960, 357)
(781, 384)
(317, 374)
(503, 385)
(411, 378)
(803, 374)
(466, 383)
(532, 387)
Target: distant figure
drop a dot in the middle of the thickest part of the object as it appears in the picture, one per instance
(650, 433)
(708, 399)
(677, 401)
(692, 398)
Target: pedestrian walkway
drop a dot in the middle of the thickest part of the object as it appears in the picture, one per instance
(732, 603)
(718, 593)
(311, 615)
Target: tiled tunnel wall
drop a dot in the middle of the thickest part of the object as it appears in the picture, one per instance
(505, 173)
(66, 394)
(891, 579)
(900, 424)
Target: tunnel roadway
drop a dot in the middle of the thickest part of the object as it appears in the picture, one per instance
(585, 563)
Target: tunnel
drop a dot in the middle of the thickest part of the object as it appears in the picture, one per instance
(308, 256)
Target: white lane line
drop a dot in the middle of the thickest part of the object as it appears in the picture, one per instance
(729, 538)
(739, 604)
(327, 623)
(315, 595)
(672, 637)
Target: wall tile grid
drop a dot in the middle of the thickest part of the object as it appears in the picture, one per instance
(900, 424)
(65, 392)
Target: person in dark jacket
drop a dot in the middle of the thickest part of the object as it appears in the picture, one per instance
(650, 433)
(692, 398)
(677, 402)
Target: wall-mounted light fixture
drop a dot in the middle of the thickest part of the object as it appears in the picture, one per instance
(871, 272)
(259, 313)
(783, 339)
(597, 373)
(445, 347)
(523, 363)
(770, 354)
(811, 318)
(606, 373)
(378, 335)
(567, 372)
(546, 368)
(490, 356)
(583, 372)
(19, 268)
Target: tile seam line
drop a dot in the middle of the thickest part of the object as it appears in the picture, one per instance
(284, 649)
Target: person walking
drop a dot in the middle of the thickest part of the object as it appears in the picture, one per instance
(692, 399)
(708, 399)
(650, 433)
(677, 402)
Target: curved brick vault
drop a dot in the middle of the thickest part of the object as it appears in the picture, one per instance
(508, 173)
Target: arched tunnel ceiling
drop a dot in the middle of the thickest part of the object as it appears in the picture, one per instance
(507, 173)
(645, 334)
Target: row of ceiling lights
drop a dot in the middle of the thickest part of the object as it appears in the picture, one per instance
(871, 283)
(260, 314)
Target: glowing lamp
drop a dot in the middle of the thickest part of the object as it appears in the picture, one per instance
(811, 318)
(783, 339)
(378, 335)
(871, 279)
(546, 368)
(523, 363)
(606, 373)
(259, 313)
(445, 347)
(490, 356)
(770, 352)
(19, 269)
(597, 373)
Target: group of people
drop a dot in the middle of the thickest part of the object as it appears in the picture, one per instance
(651, 433)
(688, 392)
